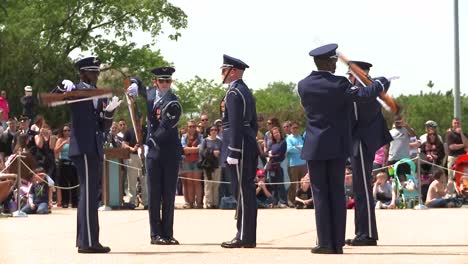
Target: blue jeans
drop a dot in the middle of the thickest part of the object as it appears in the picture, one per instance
(279, 192)
(41, 208)
(439, 203)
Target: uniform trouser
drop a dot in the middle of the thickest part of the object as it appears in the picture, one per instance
(89, 169)
(161, 183)
(327, 177)
(364, 215)
(132, 176)
(212, 188)
(247, 204)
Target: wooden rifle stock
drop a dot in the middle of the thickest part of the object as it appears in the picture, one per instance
(387, 99)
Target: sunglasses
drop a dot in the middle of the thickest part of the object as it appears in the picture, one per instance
(66, 130)
(204, 119)
(164, 80)
(268, 123)
(191, 126)
(294, 127)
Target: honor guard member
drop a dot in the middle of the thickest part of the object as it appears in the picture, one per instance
(239, 152)
(90, 120)
(327, 100)
(369, 133)
(164, 152)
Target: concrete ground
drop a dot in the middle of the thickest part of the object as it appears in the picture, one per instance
(283, 236)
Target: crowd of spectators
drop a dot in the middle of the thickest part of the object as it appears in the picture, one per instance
(281, 181)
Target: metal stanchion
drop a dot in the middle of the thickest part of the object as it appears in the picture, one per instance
(420, 206)
(104, 207)
(18, 212)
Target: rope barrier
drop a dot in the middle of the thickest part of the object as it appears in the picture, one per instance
(55, 186)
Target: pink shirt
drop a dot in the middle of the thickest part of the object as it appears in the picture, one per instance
(379, 156)
(4, 106)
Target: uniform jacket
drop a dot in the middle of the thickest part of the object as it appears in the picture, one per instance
(239, 122)
(162, 116)
(327, 100)
(370, 128)
(89, 124)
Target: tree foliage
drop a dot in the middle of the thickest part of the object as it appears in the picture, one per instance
(36, 38)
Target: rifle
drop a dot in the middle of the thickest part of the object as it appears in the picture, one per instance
(56, 99)
(362, 76)
(137, 126)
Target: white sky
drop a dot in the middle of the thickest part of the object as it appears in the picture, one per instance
(411, 39)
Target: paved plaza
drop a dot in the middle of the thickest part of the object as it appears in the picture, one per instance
(283, 236)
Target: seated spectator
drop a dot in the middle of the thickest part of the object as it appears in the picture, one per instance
(437, 191)
(383, 192)
(349, 188)
(264, 197)
(304, 198)
(40, 195)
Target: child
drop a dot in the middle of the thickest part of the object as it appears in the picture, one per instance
(304, 199)
(264, 197)
(383, 192)
(438, 190)
(40, 194)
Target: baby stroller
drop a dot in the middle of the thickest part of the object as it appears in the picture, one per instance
(406, 184)
(461, 177)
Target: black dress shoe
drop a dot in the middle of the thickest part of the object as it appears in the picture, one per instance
(323, 250)
(361, 241)
(339, 250)
(91, 250)
(172, 241)
(237, 243)
(157, 240)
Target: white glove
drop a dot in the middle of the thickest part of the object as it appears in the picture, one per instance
(113, 104)
(132, 90)
(68, 85)
(232, 161)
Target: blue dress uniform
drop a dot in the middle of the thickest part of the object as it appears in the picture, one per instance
(240, 128)
(369, 133)
(89, 123)
(163, 157)
(327, 101)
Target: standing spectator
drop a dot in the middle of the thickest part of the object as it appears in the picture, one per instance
(304, 198)
(297, 166)
(192, 188)
(4, 106)
(205, 125)
(129, 142)
(67, 176)
(457, 142)
(200, 129)
(286, 128)
(7, 138)
(38, 121)
(29, 103)
(122, 130)
(272, 122)
(429, 125)
(112, 138)
(276, 154)
(400, 146)
(45, 149)
(380, 159)
(209, 152)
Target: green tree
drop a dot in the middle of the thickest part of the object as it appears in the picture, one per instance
(36, 38)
